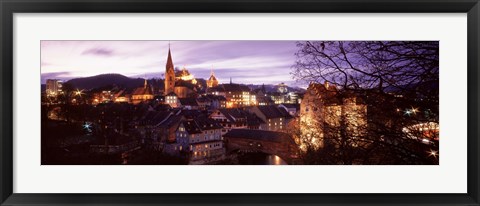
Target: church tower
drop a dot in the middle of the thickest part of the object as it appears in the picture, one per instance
(212, 81)
(169, 74)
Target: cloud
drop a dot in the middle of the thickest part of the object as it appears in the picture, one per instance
(98, 52)
(244, 61)
(54, 75)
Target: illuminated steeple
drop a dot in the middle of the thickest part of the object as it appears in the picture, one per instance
(169, 60)
(169, 73)
(212, 81)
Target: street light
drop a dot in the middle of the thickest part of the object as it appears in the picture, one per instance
(79, 92)
(414, 110)
(433, 153)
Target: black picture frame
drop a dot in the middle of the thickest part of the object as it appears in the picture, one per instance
(10, 7)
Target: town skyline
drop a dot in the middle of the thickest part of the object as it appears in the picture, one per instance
(367, 102)
(248, 62)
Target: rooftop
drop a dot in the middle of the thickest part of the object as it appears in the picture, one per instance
(272, 111)
(200, 124)
(260, 135)
(230, 88)
(143, 91)
(291, 106)
(188, 101)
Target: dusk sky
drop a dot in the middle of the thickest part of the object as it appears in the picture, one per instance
(245, 62)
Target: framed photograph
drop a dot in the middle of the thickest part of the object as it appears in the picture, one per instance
(251, 103)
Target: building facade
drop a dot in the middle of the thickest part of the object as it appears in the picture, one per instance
(237, 95)
(142, 94)
(53, 87)
(201, 140)
(172, 100)
(325, 110)
(276, 119)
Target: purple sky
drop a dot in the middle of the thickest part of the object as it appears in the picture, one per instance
(246, 62)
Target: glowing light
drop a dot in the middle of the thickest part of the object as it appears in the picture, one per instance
(422, 131)
(433, 153)
(87, 126)
(79, 92)
(414, 110)
(186, 76)
(277, 160)
(408, 112)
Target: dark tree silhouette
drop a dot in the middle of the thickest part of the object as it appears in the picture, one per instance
(398, 83)
(368, 64)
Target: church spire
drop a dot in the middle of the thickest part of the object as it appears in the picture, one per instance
(169, 74)
(169, 59)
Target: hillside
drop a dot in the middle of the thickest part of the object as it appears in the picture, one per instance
(105, 80)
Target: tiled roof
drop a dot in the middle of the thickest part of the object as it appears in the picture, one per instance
(243, 115)
(272, 111)
(142, 91)
(154, 117)
(292, 106)
(260, 135)
(215, 97)
(191, 127)
(188, 101)
(172, 121)
(191, 114)
(235, 88)
(207, 124)
(171, 94)
(162, 107)
(233, 112)
(120, 93)
(230, 88)
(254, 120)
(199, 124)
(216, 89)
